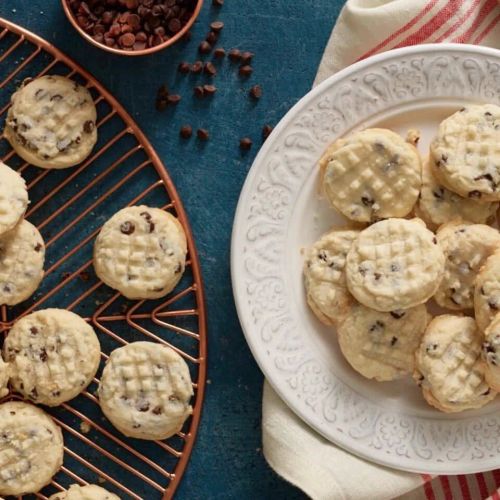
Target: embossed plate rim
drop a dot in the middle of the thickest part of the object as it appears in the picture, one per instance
(383, 456)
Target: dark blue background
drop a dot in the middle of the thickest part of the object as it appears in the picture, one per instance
(288, 38)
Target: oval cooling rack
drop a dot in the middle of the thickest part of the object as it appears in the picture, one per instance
(69, 206)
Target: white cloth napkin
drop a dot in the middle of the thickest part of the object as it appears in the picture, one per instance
(293, 450)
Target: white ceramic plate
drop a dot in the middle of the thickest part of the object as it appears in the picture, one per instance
(279, 212)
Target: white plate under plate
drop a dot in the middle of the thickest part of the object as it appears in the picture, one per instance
(279, 212)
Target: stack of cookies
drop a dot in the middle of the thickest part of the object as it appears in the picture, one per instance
(420, 233)
(50, 356)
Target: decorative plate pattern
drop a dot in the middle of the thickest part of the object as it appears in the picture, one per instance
(278, 212)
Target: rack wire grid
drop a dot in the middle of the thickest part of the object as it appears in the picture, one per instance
(69, 206)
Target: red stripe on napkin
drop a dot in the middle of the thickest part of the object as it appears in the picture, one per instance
(485, 10)
(459, 22)
(445, 484)
(445, 14)
(488, 28)
(406, 27)
(464, 487)
(428, 489)
(481, 482)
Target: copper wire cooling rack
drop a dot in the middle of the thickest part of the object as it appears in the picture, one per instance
(69, 206)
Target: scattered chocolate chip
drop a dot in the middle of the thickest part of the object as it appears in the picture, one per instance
(377, 326)
(377, 276)
(34, 330)
(173, 99)
(256, 92)
(212, 38)
(266, 131)
(438, 193)
(245, 70)
(186, 131)
(216, 26)
(38, 247)
(434, 240)
(178, 269)
(43, 355)
(198, 91)
(202, 134)
(219, 53)
(34, 393)
(210, 69)
(151, 226)
(234, 55)
(492, 304)
(394, 340)
(209, 89)
(245, 143)
(184, 67)
(246, 57)
(204, 47)
(196, 67)
(485, 393)
(157, 410)
(143, 406)
(362, 270)
(127, 227)
(487, 113)
(146, 215)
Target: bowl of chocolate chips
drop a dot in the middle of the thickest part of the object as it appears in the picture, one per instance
(132, 27)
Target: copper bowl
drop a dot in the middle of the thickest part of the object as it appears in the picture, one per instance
(123, 52)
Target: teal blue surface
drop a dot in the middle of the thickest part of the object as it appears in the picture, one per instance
(288, 38)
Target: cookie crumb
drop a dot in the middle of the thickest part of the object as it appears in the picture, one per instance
(85, 427)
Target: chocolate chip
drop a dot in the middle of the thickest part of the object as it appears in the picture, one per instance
(216, 26)
(394, 340)
(377, 276)
(395, 267)
(487, 113)
(362, 270)
(186, 131)
(143, 406)
(202, 134)
(151, 226)
(245, 143)
(256, 92)
(367, 201)
(158, 410)
(183, 67)
(204, 47)
(266, 131)
(43, 354)
(377, 326)
(88, 126)
(438, 193)
(434, 240)
(485, 393)
(210, 69)
(474, 194)
(38, 247)
(397, 314)
(196, 67)
(34, 330)
(245, 70)
(219, 53)
(146, 215)
(492, 304)
(34, 393)
(56, 97)
(127, 227)
(234, 55)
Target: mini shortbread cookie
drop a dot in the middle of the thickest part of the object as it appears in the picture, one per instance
(88, 492)
(438, 205)
(31, 449)
(449, 367)
(141, 252)
(466, 247)
(13, 198)
(487, 292)
(22, 255)
(54, 355)
(394, 264)
(491, 353)
(145, 390)
(382, 345)
(51, 122)
(324, 275)
(372, 174)
(4, 377)
(466, 152)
